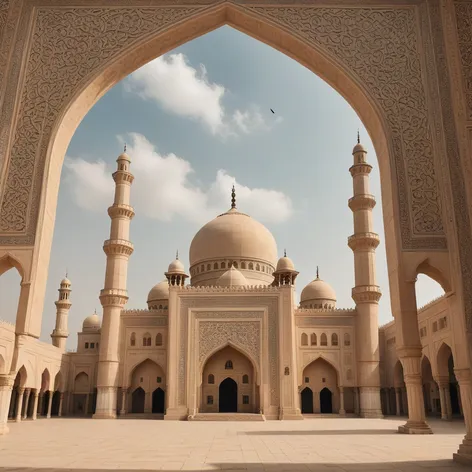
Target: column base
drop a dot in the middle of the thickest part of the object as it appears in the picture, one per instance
(290, 414)
(342, 413)
(106, 404)
(464, 454)
(176, 414)
(4, 429)
(415, 427)
(104, 416)
(371, 414)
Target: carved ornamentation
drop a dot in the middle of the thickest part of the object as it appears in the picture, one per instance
(464, 32)
(214, 334)
(67, 45)
(381, 47)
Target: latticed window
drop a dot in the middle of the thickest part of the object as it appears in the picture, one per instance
(304, 339)
(245, 379)
(313, 340)
(245, 399)
(158, 339)
(229, 365)
(210, 400)
(211, 379)
(323, 340)
(133, 339)
(334, 339)
(347, 339)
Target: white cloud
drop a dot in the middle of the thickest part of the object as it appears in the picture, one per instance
(185, 91)
(163, 189)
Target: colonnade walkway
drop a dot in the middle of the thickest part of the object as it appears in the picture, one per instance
(331, 444)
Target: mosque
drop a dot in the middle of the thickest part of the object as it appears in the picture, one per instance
(227, 340)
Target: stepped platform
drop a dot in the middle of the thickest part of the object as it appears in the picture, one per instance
(227, 417)
(142, 416)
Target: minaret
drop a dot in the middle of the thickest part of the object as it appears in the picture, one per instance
(114, 295)
(366, 292)
(60, 334)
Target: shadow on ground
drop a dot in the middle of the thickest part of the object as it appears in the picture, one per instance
(408, 466)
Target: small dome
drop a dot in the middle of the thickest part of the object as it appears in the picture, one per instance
(318, 290)
(160, 291)
(176, 267)
(285, 264)
(91, 323)
(65, 281)
(359, 148)
(123, 156)
(232, 278)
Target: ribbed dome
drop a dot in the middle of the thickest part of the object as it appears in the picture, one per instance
(91, 323)
(285, 264)
(233, 235)
(232, 278)
(318, 290)
(176, 267)
(160, 291)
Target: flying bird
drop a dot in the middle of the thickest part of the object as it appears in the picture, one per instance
(272, 111)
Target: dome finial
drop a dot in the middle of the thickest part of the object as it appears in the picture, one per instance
(177, 254)
(124, 148)
(358, 137)
(66, 272)
(285, 252)
(233, 197)
(317, 273)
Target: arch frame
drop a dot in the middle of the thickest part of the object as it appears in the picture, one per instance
(129, 369)
(321, 356)
(262, 22)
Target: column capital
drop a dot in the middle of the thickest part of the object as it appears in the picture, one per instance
(442, 381)
(21, 390)
(410, 352)
(463, 376)
(6, 381)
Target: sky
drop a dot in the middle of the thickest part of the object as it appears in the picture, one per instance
(195, 122)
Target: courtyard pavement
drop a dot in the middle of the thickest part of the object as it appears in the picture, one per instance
(315, 444)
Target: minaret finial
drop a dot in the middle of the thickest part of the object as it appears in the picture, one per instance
(285, 252)
(66, 272)
(233, 198)
(124, 149)
(317, 273)
(358, 137)
(177, 254)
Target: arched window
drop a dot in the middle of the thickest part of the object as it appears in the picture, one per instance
(202, 267)
(147, 339)
(258, 267)
(334, 339)
(133, 339)
(263, 268)
(223, 265)
(323, 340)
(326, 306)
(304, 339)
(313, 340)
(208, 266)
(158, 339)
(235, 265)
(229, 365)
(251, 266)
(211, 379)
(160, 307)
(347, 339)
(245, 379)
(243, 265)
(215, 265)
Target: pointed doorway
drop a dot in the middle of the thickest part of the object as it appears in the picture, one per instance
(307, 400)
(326, 401)
(228, 396)
(158, 401)
(138, 398)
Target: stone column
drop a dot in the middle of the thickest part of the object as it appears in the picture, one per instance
(49, 404)
(40, 403)
(405, 399)
(124, 394)
(342, 411)
(61, 399)
(147, 402)
(19, 404)
(35, 405)
(87, 403)
(27, 397)
(447, 395)
(416, 423)
(464, 377)
(6, 388)
(459, 400)
(397, 400)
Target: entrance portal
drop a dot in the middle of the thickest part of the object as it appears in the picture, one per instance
(307, 400)
(326, 401)
(138, 399)
(158, 401)
(228, 396)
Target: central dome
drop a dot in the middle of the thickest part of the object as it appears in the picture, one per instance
(233, 235)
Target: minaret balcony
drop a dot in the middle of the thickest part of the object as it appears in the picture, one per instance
(118, 246)
(113, 297)
(63, 304)
(59, 333)
(121, 176)
(363, 241)
(121, 211)
(364, 201)
(358, 169)
(366, 294)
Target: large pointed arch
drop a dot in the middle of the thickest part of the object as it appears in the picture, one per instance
(324, 358)
(238, 348)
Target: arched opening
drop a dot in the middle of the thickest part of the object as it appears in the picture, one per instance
(326, 401)
(307, 400)
(56, 400)
(138, 399)
(242, 374)
(81, 395)
(16, 401)
(11, 276)
(430, 390)
(451, 401)
(320, 376)
(401, 399)
(228, 396)
(149, 377)
(158, 401)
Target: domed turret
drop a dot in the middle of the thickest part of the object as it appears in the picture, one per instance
(233, 237)
(91, 323)
(318, 294)
(176, 272)
(232, 278)
(285, 274)
(158, 296)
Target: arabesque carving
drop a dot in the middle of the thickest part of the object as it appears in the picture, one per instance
(214, 334)
(381, 47)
